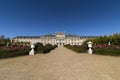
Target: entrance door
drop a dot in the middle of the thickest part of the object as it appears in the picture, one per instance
(60, 43)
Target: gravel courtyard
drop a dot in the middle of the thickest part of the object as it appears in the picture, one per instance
(61, 64)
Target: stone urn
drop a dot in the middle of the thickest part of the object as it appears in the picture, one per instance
(90, 47)
(32, 52)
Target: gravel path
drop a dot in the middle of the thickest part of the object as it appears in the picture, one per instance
(61, 64)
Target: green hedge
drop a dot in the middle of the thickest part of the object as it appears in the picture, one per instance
(107, 51)
(39, 48)
(10, 53)
(77, 48)
(101, 51)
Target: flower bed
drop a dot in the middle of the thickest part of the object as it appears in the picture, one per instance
(13, 51)
(112, 50)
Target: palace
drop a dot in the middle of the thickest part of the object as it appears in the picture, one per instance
(60, 39)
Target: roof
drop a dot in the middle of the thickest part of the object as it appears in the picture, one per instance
(60, 33)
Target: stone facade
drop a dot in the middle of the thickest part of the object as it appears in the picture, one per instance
(60, 39)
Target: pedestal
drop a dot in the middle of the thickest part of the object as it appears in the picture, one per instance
(89, 46)
(90, 51)
(32, 52)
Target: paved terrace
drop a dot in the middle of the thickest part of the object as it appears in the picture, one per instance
(61, 64)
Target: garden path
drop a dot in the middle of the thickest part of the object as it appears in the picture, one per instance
(60, 64)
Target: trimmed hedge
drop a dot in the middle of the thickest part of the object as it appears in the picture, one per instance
(13, 51)
(39, 48)
(8, 54)
(111, 51)
(107, 51)
(77, 48)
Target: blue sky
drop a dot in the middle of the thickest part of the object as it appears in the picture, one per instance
(39, 17)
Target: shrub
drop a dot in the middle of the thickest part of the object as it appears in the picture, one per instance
(13, 54)
(7, 52)
(107, 51)
(39, 48)
(77, 48)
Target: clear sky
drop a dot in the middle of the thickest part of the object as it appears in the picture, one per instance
(39, 17)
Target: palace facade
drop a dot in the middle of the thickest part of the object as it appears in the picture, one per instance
(60, 39)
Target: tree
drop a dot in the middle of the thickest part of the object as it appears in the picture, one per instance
(2, 37)
(4, 41)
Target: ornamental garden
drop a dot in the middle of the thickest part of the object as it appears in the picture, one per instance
(8, 49)
(103, 45)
